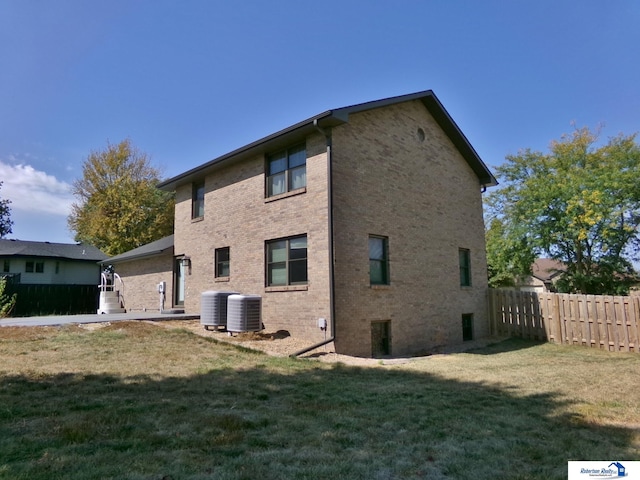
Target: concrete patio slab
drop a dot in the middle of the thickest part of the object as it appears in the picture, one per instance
(53, 320)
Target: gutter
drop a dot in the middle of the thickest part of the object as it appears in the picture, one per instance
(332, 305)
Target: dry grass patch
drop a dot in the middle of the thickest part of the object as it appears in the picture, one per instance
(134, 401)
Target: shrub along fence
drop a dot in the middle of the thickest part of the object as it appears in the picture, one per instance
(599, 321)
(38, 300)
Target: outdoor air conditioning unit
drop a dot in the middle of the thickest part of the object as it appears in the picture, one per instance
(213, 309)
(244, 313)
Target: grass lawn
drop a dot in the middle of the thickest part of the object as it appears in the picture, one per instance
(135, 401)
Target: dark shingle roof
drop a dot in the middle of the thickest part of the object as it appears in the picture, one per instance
(149, 250)
(69, 251)
(339, 116)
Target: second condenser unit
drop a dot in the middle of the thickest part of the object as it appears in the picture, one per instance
(244, 313)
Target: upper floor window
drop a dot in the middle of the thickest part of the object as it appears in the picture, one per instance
(379, 260)
(465, 267)
(197, 199)
(222, 262)
(287, 261)
(287, 170)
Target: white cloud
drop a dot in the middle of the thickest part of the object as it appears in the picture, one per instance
(34, 191)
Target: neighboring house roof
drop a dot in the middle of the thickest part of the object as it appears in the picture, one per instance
(339, 116)
(66, 251)
(149, 250)
(546, 269)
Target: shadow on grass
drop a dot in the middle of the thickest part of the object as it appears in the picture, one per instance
(290, 419)
(504, 346)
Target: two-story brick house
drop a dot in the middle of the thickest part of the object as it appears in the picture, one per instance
(368, 216)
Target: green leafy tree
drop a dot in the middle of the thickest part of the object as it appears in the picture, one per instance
(7, 302)
(579, 204)
(507, 257)
(5, 217)
(119, 207)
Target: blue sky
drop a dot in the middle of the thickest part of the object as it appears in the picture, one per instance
(190, 80)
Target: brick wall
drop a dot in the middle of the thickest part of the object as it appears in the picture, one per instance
(396, 174)
(411, 185)
(141, 278)
(238, 216)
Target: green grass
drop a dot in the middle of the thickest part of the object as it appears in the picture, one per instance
(134, 401)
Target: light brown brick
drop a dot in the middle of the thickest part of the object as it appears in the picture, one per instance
(421, 194)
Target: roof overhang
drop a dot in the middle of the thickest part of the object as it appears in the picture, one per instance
(158, 247)
(333, 118)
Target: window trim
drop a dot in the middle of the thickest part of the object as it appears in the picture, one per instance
(287, 264)
(288, 188)
(384, 261)
(197, 203)
(217, 262)
(178, 283)
(464, 262)
(34, 266)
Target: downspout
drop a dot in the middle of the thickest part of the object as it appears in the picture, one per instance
(332, 306)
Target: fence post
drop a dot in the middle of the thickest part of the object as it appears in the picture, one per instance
(491, 302)
(635, 322)
(625, 329)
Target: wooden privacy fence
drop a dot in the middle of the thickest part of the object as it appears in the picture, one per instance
(38, 300)
(600, 321)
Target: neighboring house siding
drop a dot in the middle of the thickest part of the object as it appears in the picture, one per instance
(54, 271)
(77, 273)
(237, 215)
(422, 196)
(532, 284)
(141, 278)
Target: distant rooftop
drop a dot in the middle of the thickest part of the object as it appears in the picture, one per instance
(68, 251)
(546, 269)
